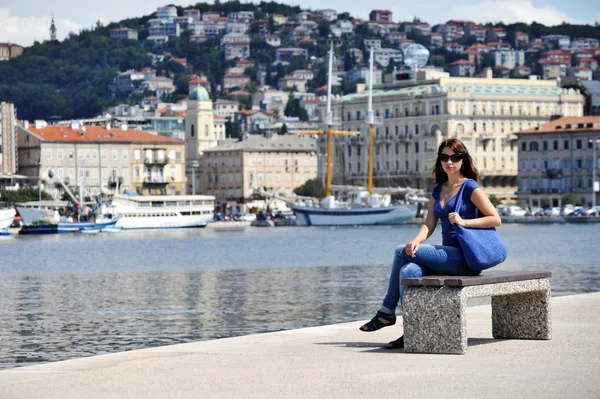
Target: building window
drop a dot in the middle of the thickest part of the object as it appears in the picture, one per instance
(104, 154)
(114, 155)
(192, 131)
(48, 154)
(533, 146)
(136, 173)
(566, 143)
(523, 165)
(59, 155)
(534, 165)
(125, 154)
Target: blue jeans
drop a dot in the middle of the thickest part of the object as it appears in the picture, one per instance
(429, 260)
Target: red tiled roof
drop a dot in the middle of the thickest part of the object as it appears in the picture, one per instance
(99, 133)
(238, 93)
(164, 111)
(560, 125)
(552, 62)
(462, 62)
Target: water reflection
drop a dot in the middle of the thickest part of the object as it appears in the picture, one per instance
(63, 316)
(106, 294)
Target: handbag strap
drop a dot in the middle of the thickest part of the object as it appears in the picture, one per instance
(459, 200)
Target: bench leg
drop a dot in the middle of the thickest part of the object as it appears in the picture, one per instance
(434, 320)
(522, 316)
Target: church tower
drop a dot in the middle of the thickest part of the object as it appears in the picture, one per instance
(199, 124)
(52, 30)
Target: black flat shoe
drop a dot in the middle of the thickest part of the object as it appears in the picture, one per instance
(397, 344)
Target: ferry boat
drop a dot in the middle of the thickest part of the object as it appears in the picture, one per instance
(6, 219)
(159, 211)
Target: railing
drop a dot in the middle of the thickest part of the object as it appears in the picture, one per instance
(156, 161)
(155, 180)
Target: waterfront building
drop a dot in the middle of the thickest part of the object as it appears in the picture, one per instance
(234, 169)
(8, 139)
(556, 159)
(102, 159)
(417, 115)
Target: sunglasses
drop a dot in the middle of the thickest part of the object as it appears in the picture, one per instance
(454, 158)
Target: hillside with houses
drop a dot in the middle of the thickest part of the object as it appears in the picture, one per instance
(267, 58)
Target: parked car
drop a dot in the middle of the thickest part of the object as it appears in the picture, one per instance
(555, 211)
(249, 217)
(594, 211)
(579, 212)
(513, 210)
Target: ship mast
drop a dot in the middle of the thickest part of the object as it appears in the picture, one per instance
(329, 122)
(371, 121)
(329, 127)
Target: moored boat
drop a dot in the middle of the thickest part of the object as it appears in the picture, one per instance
(6, 219)
(44, 227)
(159, 211)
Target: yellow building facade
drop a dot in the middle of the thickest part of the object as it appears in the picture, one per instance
(415, 117)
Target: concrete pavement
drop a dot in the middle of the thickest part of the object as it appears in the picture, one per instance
(338, 361)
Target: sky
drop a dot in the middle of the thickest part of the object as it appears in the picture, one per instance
(24, 21)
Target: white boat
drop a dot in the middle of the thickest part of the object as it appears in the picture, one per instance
(362, 207)
(6, 219)
(330, 212)
(159, 211)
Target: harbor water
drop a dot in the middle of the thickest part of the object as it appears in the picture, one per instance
(63, 297)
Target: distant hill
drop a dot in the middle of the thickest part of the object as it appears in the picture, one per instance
(71, 79)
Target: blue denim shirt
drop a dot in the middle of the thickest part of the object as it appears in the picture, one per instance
(467, 211)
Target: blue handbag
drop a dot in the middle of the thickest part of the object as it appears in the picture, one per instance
(481, 246)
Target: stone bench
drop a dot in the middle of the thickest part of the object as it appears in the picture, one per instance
(434, 308)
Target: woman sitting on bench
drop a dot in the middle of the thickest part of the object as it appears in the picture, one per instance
(453, 168)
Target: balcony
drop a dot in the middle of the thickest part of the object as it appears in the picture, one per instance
(155, 181)
(548, 191)
(113, 181)
(157, 161)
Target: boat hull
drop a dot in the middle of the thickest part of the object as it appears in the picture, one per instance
(391, 215)
(161, 222)
(65, 228)
(7, 216)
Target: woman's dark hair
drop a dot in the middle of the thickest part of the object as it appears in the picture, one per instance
(468, 168)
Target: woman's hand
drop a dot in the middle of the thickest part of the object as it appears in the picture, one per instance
(411, 248)
(455, 218)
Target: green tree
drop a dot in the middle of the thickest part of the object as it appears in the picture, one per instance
(283, 129)
(324, 28)
(571, 199)
(494, 200)
(311, 188)
(23, 194)
(232, 130)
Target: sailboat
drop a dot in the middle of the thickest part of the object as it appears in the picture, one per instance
(363, 207)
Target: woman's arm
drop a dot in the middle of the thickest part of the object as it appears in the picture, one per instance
(484, 205)
(425, 231)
